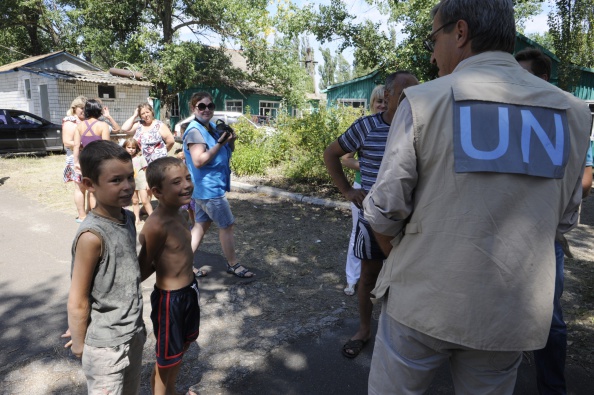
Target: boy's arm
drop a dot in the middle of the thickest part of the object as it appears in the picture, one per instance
(88, 253)
(152, 239)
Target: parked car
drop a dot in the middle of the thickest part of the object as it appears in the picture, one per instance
(21, 131)
(229, 117)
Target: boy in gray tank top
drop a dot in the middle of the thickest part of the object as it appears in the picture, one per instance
(105, 300)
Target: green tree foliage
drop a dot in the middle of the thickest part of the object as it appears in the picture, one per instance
(379, 49)
(27, 28)
(571, 29)
(543, 39)
(336, 69)
(328, 69)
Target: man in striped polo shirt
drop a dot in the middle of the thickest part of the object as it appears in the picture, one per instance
(367, 136)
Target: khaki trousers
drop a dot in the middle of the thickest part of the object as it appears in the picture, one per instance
(405, 361)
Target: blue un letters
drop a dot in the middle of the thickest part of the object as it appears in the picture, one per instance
(507, 138)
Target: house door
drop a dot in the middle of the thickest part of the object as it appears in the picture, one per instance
(44, 99)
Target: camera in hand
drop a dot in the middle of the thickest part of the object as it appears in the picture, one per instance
(225, 131)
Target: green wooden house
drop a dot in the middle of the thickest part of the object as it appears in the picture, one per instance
(264, 104)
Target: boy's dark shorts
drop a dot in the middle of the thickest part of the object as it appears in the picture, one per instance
(176, 322)
(366, 246)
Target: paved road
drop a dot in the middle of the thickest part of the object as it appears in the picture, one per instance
(35, 266)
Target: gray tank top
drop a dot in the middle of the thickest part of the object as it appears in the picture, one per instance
(116, 293)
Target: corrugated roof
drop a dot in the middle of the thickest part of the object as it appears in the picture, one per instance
(98, 77)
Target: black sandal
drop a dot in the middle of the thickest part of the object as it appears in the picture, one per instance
(200, 273)
(241, 273)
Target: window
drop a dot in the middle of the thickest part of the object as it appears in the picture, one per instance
(27, 88)
(175, 107)
(268, 109)
(107, 92)
(234, 105)
(355, 103)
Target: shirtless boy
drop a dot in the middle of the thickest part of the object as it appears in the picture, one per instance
(166, 248)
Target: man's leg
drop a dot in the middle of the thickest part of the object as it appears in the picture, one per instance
(479, 372)
(369, 271)
(550, 361)
(403, 362)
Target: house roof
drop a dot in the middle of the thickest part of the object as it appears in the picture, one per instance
(39, 58)
(365, 77)
(92, 73)
(97, 77)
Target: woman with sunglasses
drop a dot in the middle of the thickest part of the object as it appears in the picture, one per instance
(153, 136)
(208, 155)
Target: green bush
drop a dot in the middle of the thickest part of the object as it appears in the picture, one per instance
(306, 139)
(297, 146)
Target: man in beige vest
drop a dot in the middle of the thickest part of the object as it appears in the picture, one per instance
(482, 168)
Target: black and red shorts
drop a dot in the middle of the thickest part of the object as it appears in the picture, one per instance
(176, 322)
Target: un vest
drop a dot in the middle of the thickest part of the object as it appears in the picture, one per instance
(500, 155)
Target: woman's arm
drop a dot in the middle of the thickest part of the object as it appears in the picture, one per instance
(68, 131)
(127, 127)
(114, 125)
(200, 155)
(76, 146)
(88, 253)
(166, 136)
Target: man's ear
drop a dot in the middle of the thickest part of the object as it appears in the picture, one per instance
(462, 33)
(88, 184)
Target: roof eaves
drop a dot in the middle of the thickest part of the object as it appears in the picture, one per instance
(362, 78)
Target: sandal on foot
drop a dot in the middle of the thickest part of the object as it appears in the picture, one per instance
(238, 272)
(355, 346)
(350, 289)
(200, 273)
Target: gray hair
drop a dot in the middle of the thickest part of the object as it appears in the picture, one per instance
(392, 79)
(491, 23)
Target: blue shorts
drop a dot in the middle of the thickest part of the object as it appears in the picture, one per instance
(366, 246)
(215, 210)
(176, 322)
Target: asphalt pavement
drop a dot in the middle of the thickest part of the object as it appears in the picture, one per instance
(34, 282)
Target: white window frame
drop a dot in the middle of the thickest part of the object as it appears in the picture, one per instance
(231, 105)
(268, 105)
(350, 102)
(27, 88)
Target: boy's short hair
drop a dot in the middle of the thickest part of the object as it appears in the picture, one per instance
(540, 63)
(95, 153)
(155, 172)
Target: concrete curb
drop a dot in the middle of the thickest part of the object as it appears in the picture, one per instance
(242, 186)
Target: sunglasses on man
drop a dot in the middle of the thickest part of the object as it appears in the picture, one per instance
(202, 106)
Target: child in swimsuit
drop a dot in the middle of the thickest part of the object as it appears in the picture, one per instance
(166, 249)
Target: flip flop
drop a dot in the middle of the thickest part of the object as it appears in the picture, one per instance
(355, 346)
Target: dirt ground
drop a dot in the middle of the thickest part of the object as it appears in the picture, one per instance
(298, 252)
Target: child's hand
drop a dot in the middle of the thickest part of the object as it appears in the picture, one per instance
(67, 334)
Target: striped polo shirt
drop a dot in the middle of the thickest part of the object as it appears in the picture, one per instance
(367, 136)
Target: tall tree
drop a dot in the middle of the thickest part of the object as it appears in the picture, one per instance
(571, 28)
(327, 70)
